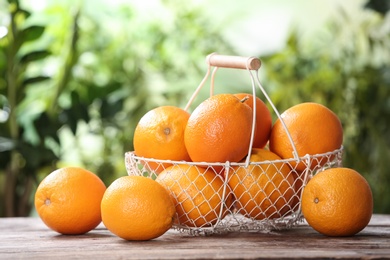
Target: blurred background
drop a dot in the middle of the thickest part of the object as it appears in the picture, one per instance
(76, 76)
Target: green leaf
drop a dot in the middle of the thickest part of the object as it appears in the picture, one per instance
(6, 144)
(31, 33)
(36, 79)
(5, 158)
(34, 56)
(109, 109)
(47, 127)
(79, 109)
(379, 6)
(76, 112)
(36, 156)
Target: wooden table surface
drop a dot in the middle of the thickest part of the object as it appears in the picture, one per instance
(29, 238)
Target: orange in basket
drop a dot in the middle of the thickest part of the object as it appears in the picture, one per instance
(160, 135)
(263, 120)
(219, 130)
(262, 190)
(299, 181)
(200, 196)
(314, 129)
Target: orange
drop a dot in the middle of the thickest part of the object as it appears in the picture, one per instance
(263, 190)
(219, 130)
(299, 180)
(337, 202)
(68, 200)
(160, 135)
(314, 129)
(200, 196)
(137, 208)
(263, 120)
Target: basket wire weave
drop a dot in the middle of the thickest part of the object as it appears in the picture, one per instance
(229, 216)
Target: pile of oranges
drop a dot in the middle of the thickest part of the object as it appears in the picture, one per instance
(204, 155)
(222, 159)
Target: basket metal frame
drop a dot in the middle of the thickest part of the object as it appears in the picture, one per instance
(234, 221)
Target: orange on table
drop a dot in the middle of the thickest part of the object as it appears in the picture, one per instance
(199, 194)
(262, 190)
(337, 202)
(219, 130)
(137, 208)
(68, 200)
(314, 129)
(160, 135)
(263, 120)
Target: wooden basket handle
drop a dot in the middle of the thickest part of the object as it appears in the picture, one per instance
(235, 62)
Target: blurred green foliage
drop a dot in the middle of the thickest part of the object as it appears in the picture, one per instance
(74, 81)
(99, 79)
(348, 70)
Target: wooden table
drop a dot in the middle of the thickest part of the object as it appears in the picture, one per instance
(29, 238)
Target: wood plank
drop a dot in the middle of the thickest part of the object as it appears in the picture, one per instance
(29, 238)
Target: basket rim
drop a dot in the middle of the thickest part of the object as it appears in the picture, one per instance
(132, 155)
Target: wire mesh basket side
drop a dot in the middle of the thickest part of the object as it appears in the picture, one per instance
(262, 196)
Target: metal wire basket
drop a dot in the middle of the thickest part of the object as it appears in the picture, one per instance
(246, 196)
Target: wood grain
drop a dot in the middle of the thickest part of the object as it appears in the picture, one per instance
(29, 238)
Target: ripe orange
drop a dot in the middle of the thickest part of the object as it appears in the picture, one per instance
(68, 200)
(219, 130)
(263, 190)
(199, 194)
(314, 129)
(263, 120)
(137, 208)
(299, 180)
(337, 202)
(160, 135)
